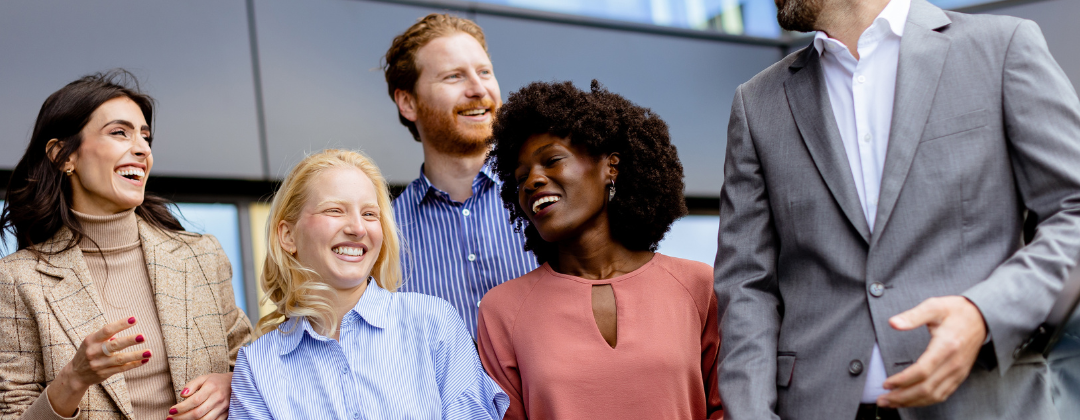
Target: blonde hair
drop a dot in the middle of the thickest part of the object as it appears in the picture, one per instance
(293, 288)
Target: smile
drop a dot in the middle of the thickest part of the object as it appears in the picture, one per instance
(543, 202)
(474, 112)
(131, 172)
(348, 250)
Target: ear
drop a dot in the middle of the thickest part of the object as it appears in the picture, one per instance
(285, 237)
(613, 165)
(52, 149)
(406, 104)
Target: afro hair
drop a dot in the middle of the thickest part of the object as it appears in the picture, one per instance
(650, 187)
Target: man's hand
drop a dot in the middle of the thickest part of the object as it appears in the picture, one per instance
(957, 332)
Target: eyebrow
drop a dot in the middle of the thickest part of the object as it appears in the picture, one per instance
(345, 202)
(125, 123)
(541, 149)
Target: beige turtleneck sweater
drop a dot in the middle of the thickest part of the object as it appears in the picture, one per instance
(120, 276)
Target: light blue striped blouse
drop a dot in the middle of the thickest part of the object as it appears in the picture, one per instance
(400, 355)
(458, 251)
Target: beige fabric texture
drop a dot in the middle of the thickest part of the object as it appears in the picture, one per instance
(114, 255)
(49, 306)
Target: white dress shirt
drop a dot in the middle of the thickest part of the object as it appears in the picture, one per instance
(861, 92)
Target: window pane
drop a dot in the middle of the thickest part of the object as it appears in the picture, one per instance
(692, 238)
(222, 221)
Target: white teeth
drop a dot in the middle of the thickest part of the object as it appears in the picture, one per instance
(129, 171)
(348, 250)
(546, 199)
(473, 112)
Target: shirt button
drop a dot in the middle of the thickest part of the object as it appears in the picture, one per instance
(855, 368)
(472, 257)
(861, 79)
(465, 212)
(356, 415)
(866, 137)
(877, 289)
(344, 370)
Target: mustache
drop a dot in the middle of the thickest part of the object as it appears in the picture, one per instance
(481, 103)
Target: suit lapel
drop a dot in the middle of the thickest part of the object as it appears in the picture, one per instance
(169, 282)
(922, 57)
(78, 306)
(809, 103)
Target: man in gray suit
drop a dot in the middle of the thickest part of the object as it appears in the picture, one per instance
(876, 183)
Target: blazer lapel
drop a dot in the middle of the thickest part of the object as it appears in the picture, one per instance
(78, 306)
(809, 103)
(922, 57)
(169, 281)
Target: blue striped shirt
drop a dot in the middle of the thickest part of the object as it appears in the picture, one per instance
(399, 355)
(459, 251)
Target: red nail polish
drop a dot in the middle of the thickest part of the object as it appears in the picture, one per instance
(170, 418)
(172, 411)
(184, 392)
(131, 320)
(146, 354)
(145, 360)
(139, 338)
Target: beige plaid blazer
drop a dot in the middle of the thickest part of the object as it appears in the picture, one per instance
(48, 306)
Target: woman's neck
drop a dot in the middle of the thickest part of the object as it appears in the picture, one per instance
(596, 255)
(341, 302)
(112, 231)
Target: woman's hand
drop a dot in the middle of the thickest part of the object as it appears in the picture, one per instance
(91, 365)
(206, 397)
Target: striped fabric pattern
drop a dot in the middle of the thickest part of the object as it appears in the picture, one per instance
(400, 355)
(459, 251)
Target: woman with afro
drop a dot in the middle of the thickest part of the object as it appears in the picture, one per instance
(606, 327)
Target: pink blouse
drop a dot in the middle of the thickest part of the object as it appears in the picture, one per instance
(538, 339)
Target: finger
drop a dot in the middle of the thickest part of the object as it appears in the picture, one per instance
(188, 409)
(111, 329)
(937, 352)
(218, 412)
(104, 363)
(105, 373)
(933, 390)
(929, 312)
(118, 344)
(193, 386)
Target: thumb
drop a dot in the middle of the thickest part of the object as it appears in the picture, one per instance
(927, 312)
(193, 386)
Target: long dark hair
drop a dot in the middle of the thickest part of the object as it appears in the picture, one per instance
(38, 201)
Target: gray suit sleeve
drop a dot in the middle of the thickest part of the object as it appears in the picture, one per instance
(745, 280)
(1042, 123)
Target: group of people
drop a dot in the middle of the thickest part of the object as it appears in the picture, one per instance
(875, 182)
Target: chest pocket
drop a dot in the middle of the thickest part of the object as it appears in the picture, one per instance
(954, 125)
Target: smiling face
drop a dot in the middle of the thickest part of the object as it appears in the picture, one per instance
(338, 232)
(562, 188)
(110, 167)
(455, 97)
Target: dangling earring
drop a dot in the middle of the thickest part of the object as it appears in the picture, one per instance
(67, 172)
(611, 191)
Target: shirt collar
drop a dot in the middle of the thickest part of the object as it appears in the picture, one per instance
(894, 14)
(486, 174)
(373, 308)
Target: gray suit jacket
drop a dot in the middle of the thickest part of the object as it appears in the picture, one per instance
(985, 127)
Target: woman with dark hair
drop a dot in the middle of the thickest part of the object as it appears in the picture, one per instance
(606, 327)
(111, 309)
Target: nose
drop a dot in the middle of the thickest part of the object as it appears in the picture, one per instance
(534, 181)
(475, 88)
(355, 226)
(141, 147)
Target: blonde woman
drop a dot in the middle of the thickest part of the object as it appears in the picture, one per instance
(342, 343)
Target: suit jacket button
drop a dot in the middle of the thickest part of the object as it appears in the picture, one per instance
(855, 368)
(877, 289)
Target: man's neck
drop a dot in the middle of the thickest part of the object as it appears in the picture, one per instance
(846, 20)
(452, 174)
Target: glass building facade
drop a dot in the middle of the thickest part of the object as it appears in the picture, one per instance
(755, 18)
